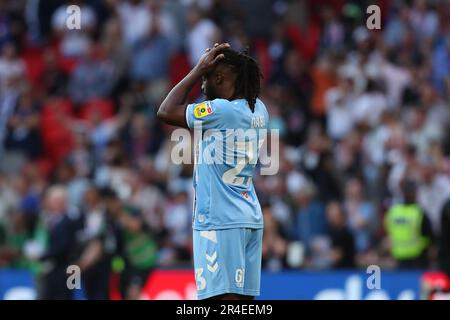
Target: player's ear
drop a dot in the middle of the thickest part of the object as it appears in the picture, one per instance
(218, 78)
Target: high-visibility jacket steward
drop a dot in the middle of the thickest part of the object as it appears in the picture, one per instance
(403, 223)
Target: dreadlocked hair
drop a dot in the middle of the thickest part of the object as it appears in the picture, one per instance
(248, 78)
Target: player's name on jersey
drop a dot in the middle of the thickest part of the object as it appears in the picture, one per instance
(258, 122)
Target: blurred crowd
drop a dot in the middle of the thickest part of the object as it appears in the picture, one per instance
(85, 170)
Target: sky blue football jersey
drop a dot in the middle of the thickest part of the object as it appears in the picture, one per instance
(226, 152)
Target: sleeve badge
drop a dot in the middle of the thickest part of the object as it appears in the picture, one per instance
(203, 109)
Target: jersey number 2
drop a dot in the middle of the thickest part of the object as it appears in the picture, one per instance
(231, 176)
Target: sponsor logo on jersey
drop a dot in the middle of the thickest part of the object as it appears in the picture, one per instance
(202, 110)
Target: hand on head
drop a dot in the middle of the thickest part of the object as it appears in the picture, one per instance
(210, 58)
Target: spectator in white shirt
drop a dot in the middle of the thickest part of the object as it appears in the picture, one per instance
(137, 18)
(339, 104)
(12, 68)
(74, 42)
(202, 34)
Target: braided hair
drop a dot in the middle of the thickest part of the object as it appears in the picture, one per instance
(248, 78)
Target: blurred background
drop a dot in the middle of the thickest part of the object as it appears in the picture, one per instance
(85, 171)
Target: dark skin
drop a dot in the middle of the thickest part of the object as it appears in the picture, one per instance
(217, 82)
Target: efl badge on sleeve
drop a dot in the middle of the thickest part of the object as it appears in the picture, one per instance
(202, 110)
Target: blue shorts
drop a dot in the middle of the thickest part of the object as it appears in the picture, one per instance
(227, 261)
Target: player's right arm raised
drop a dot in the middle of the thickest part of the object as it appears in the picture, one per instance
(173, 109)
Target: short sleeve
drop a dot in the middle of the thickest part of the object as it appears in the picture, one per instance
(208, 114)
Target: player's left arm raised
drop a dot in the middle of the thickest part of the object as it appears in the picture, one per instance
(173, 109)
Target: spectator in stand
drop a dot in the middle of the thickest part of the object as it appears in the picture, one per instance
(81, 159)
(310, 221)
(59, 249)
(433, 193)
(202, 33)
(147, 197)
(441, 65)
(99, 246)
(176, 220)
(11, 23)
(423, 133)
(117, 56)
(134, 18)
(323, 75)
(92, 77)
(74, 42)
(342, 242)
(361, 216)
(296, 77)
(29, 203)
(397, 26)
(52, 80)
(9, 200)
(23, 126)
(409, 230)
(370, 105)
(12, 67)
(12, 73)
(425, 22)
(444, 246)
(332, 37)
(138, 248)
(12, 240)
(274, 243)
(150, 60)
(338, 105)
